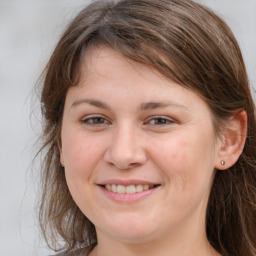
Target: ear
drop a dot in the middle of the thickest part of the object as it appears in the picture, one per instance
(61, 159)
(233, 139)
(60, 149)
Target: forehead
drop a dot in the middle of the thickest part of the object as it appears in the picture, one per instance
(103, 64)
(103, 61)
(108, 76)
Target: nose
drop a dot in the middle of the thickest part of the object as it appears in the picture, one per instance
(125, 150)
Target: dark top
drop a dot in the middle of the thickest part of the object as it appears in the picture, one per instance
(79, 252)
(76, 253)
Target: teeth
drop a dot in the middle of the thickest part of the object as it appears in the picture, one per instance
(113, 188)
(120, 189)
(130, 189)
(139, 188)
(145, 187)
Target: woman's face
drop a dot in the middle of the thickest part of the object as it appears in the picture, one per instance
(139, 150)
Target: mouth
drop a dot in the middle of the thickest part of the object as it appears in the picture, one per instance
(129, 189)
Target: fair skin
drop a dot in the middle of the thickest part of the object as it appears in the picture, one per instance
(125, 124)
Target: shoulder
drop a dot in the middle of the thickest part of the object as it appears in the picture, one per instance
(78, 252)
(81, 252)
(71, 254)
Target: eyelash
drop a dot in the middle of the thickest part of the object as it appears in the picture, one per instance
(99, 121)
(93, 120)
(163, 120)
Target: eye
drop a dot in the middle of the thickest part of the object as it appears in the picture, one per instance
(160, 121)
(95, 120)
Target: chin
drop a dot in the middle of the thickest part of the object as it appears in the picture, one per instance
(132, 231)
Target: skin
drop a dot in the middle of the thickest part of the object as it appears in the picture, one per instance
(108, 132)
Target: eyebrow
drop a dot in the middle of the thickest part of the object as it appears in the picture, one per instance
(143, 106)
(164, 104)
(95, 103)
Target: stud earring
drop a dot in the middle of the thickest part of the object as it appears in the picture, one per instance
(222, 162)
(61, 164)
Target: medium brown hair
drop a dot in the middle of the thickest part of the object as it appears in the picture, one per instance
(187, 43)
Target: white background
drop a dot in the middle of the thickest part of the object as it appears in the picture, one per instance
(28, 32)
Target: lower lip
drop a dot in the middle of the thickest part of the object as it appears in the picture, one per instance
(128, 198)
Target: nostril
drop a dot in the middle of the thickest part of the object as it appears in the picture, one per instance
(125, 155)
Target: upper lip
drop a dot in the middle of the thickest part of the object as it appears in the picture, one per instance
(127, 182)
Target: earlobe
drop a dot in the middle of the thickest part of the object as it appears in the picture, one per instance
(61, 160)
(232, 144)
(60, 149)
(61, 157)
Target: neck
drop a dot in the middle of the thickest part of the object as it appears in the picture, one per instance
(187, 238)
(152, 249)
(190, 244)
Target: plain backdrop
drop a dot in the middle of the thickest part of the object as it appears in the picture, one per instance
(29, 30)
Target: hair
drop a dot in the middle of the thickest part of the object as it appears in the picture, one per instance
(187, 43)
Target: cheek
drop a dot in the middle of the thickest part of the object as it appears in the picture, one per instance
(81, 153)
(185, 160)
(179, 152)
(186, 165)
(171, 154)
(78, 148)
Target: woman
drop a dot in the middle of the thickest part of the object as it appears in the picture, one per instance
(149, 134)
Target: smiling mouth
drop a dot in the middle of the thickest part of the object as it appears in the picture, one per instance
(130, 189)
